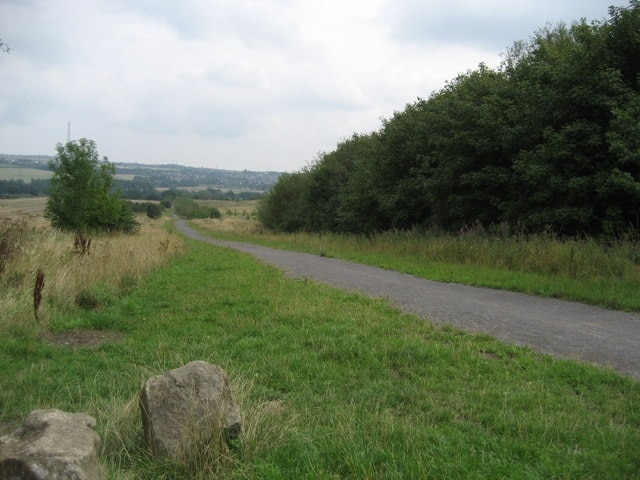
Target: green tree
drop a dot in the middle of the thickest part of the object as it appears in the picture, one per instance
(549, 140)
(360, 198)
(188, 208)
(154, 211)
(285, 208)
(82, 198)
(327, 179)
(579, 174)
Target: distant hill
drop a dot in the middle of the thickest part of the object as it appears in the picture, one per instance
(25, 168)
(170, 176)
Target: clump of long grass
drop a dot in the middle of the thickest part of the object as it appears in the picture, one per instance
(13, 234)
(266, 424)
(238, 225)
(543, 253)
(116, 262)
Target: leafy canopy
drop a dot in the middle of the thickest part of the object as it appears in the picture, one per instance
(549, 140)
(82, 198)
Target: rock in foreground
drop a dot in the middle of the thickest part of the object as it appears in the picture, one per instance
(52, 445)
(187, 408)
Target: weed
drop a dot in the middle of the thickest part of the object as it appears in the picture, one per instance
(128, 281)
(82, 244)
(37, 292)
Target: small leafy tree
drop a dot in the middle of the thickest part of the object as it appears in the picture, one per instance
(82, 197)
(154, 211)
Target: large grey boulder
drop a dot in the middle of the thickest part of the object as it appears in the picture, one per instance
(52, 445)
(188, 408)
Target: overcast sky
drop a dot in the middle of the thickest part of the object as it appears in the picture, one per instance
(240, 84)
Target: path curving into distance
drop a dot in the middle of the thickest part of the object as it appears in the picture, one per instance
(557, 327)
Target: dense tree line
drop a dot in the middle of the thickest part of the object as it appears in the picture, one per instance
(219, 194)
(189, 208)
(137, 189)
(208, 194)
(16, 188)
(550, 139)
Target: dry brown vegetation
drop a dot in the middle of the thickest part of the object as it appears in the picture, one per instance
(116, 263)
(233, 207)
(30, 209)
(231, 225)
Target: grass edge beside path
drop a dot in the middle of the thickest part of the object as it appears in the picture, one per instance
(584, 271)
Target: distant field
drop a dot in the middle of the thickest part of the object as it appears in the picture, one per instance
(26, 174)
(22, 207)
(34, 207)
(232, 207)
(123, 176)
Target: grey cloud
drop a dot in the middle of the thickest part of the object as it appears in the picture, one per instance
(257, 24)
(180, 114)
(493, 25)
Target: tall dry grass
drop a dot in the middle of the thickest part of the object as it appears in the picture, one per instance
(605, 273)
(115, 262)
(233, 225)
(541, 253)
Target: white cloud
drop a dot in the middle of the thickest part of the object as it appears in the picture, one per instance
(256, 84)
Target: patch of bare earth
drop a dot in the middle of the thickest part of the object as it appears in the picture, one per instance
(82, 338)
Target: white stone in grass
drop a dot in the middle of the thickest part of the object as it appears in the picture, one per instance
(187, 409)
(52, 445)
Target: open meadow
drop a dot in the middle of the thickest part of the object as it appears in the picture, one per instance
(330, 384)
(30, 208)
(24, 174)
(233, 208)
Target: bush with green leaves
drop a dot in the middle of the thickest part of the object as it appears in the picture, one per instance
(83, 200)
(189, 208)
(154, 210)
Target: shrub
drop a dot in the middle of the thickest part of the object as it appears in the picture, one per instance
(189, 208)
(154, 211)
(95, 298)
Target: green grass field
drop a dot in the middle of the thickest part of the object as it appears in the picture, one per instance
(331, 384)
(25, 174)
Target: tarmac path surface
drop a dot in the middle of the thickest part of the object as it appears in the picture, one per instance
(556, 327)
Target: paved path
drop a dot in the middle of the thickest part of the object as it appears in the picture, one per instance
(561, 328)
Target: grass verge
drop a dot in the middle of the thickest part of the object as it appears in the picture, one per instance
(331, 384)
(606, 275)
